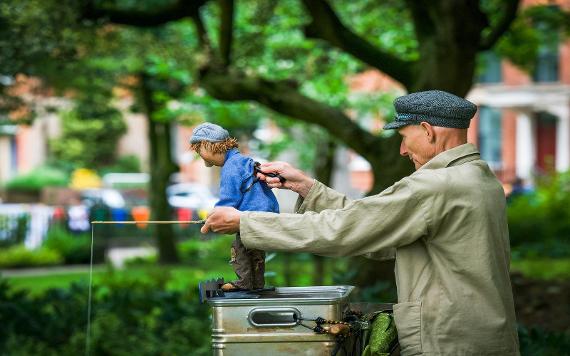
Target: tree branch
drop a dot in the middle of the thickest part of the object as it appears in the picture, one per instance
(203, 40)
(326, 25)
(281, 97)
(143, 18)
(509, 15)
(226, 30)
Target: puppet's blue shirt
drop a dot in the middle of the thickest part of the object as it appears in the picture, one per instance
(236, 177)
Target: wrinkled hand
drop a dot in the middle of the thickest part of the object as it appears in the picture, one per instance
(224, 220)
(296, 180)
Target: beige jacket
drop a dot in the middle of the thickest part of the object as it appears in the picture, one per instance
(447, 225)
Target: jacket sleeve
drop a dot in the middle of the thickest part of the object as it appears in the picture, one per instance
(372, 226)
(231, 185)
(320, 198)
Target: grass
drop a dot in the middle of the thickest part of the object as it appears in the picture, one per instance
(179, 277)
(543, 268)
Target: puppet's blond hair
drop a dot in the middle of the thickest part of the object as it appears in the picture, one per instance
(215, 147)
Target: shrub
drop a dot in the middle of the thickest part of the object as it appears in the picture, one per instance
(541, 219)
(536, 341)
(126, 316)
(19, 256)
(124, 164)
(74, 249)
(37, 179)
(216, 250)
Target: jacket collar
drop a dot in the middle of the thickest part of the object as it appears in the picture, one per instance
(453, 157)
(229, 153)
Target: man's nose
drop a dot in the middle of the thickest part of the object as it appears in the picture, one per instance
(403, 149)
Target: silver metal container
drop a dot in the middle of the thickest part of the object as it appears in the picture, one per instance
(268, 324)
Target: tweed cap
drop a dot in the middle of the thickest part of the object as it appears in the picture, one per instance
(209, 132)
(436, 107)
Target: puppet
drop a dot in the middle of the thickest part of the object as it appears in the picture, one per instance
(240, 189)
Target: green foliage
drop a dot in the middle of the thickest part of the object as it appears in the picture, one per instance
(89, 122)
(543, 268)
(39, 178)
(126, 316)
(520, 44)
(536, 28)
(540, 342)
(74, 249)
(18, 256)
(216, 251)
(124, 164)
(542, 218)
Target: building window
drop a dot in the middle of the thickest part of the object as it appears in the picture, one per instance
(490, 136)
(546, 69)
(489, 67)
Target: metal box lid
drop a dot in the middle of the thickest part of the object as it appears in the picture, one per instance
(298, 295)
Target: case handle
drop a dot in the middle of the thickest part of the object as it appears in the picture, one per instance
(274, 317)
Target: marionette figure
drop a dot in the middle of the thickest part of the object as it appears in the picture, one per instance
(240, 189)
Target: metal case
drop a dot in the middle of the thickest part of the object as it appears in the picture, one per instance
(268, 324)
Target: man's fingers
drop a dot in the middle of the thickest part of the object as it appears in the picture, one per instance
(272, 167)
(205, 229)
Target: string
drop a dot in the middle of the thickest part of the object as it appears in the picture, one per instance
(151, 222)
(89, 299)
(88, 338)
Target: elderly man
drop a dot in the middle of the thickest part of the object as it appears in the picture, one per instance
(446, 223)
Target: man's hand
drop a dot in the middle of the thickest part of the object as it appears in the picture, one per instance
(296, 180)
(223, 220)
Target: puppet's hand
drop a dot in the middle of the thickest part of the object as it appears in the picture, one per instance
(223, 220)
(296, 180)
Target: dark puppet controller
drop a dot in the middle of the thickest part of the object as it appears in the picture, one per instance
(257, 170)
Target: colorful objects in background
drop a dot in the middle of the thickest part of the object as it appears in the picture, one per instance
(203, 214)
(140, 213)
(58, 214)
(119, 214)
(83, 178)
(78, 218)
(184, 214)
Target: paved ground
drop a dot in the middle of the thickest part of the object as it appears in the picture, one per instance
(44, 271)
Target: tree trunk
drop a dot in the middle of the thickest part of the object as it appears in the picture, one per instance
(324, 168)
(161, 167)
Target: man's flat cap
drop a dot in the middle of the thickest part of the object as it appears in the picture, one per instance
(436, 107)
(209, 132)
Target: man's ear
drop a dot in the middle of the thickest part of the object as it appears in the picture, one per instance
(428, 131)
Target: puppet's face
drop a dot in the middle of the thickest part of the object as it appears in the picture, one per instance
(210, 158)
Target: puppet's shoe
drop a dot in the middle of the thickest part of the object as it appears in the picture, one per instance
(231, 287)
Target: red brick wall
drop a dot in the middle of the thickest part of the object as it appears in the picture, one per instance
(513, 75)
(565, 62)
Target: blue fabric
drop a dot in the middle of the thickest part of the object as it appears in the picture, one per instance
(237, 175)
(209, 132)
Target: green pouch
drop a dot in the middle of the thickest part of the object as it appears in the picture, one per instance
(383, 335)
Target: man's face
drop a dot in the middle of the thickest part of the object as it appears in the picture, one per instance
(210, 158)
(416, 145)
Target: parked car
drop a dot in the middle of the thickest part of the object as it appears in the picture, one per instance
(110, 198)
(191, 196)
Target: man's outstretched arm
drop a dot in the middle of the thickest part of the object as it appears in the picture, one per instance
(370, 225)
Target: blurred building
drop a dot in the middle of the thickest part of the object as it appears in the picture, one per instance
(522, 127)
(24, 147)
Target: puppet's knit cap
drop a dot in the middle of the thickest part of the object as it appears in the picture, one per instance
(209, 132)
